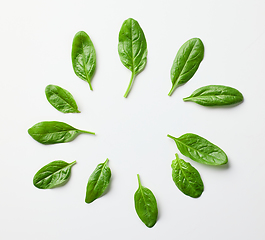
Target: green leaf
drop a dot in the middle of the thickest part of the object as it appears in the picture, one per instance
(54, 174)
(98, 182)
(200, 150)
(186, 178)
(83, 57)
(145, 205)
(132, 48)
(215, 95)
(50, 132)
(61, 99)
(186, 62)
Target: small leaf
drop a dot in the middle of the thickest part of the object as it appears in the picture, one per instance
(186, 178)
(83, 57)
(61, 99)
(98, 182)
(200, 150)
(132, 48)
(145, 205)
(54, 174)
(50, 132)
(186, 62)
(215, 95)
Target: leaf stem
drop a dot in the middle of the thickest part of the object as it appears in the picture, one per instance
(87, 132)
(90, 86)
(172, 90)
(130, 85)
(107, 160)
(170, 136)
(139, 181)
(186, 99)
(73, 163)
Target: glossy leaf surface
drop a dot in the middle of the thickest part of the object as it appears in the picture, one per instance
(98, 182)
(83, 57)
(61, 99)
(132, 48)
(200, 150)
(186, 62)
(186, 178)
(53, 174)
(215, 95)
(145, 205)
(50, 132)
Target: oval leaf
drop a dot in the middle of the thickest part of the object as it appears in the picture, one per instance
(145, 205)
(132, 48)
(186, 178)
(98, 182)
(200, 150)
(215, 95)
(83, 57)
(186, 62)
(50, 132)
(61, 99)
(54, 174)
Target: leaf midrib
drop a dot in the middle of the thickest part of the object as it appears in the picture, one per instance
(70, 164)
(194, 149)
(73, 107)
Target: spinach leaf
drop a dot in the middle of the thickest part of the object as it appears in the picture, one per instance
(98, 182)
(132, 48)
(50, 132)
(54, 174)
(186, 178)
(200, 150)
(215, 95)
(83, 57)
(145, 205)
(186, 62)
(61, 99)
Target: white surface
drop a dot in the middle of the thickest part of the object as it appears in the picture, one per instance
(36, 38)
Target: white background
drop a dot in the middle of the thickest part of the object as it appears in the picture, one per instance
(36, 39)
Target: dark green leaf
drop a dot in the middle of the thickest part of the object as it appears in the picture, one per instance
(186, 178)
(83, 57)
(145, 205)
(199, 149)
(52, 175)
(132, 48)
(98, 182)
(215, 95)
(186, 62)
(50, 132)
(61, 99)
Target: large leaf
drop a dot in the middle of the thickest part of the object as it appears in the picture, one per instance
(132, 48)
(186, 62)
(61, 99)
(50, 132)
(145, 205)
(186, 178)
(199, 149)
(215, 95)
(53, 174)
(98, 182)
(83, 57)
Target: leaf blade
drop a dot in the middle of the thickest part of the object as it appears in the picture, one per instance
(98, 182)
(132, 49)
(145, 205)
(52, 132)
(186, 178)
(61, 99)
(200, 150)
(83, 57)
(186, 62)
(215, 95)
(52, 175)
